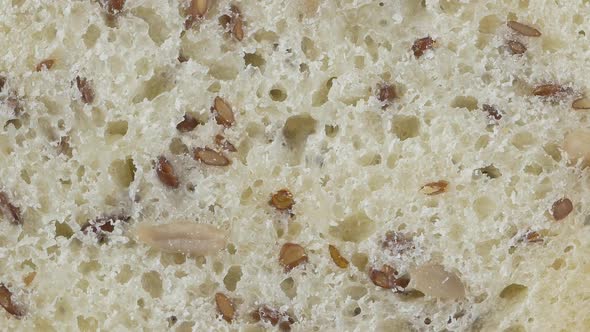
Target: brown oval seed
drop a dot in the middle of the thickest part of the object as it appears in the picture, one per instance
(291, 256)
(225, 115)
(85, 90)
(9, 210)
(225, 306)
(166, 172)
(337, 257)
(523, 29)
(187, 124)
(210, 157)
(386, 278)
(7, 303)
(282, 200)
(561, 208)
(45, 64)
(549, 90)
(581, 103)
(224, 144)
(434, 188)
(516, 47)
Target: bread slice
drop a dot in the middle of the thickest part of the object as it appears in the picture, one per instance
(363, 165)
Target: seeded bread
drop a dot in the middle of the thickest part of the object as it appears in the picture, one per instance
(409, 142)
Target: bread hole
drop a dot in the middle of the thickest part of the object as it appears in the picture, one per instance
(157, 28)
(63, 229)
(392, 160)
(167, 259)
(309, 49)
(160, 83)
(63, 310)
(277, 94)
(372, 48)
(352, 309)
(87, 324)
(552, 44)
(369, 159)
(185, 327)
(543, 188)
(331, 130)
(489, 171)
(523, 140)
(534, 169)
(116, 130)
(558, 264)
(214, 87)
(359, 62)
(177, 147)
(17, 3)
(484, 207)
(254, 60)
(294, 229)
(232, 277)
(394, 325)
(224, 71)
(515, 328)
(89, 267)
(355, 228)
(265, 36)
(514, 292)
(24, 175)
(122, 172)
(489, 24)
(295, 131)
(320, 97)
(359, 260)
(468, 102)
(355, 292)
(482, 142)
(405, 126)
(151, 282)
(91, 36)
(553, 150)
(289, 287)
(16, 123)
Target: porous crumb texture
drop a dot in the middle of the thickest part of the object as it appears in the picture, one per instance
(303, 84)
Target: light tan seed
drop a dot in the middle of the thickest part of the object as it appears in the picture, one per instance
(523, 29)
(581, 103)
(282, 200)
(28, 279)
(7, 303)
(225, 307)
(434, 280)
(516, 47)
(434, 188)
(183, 237)
(238, 27)
(387, 278)
(291, 256)
(224, 114)
(337, 257)
(166, 173)
(45, 64)
(198, 8)
(210, 157)
(562, 208)
(576, 145)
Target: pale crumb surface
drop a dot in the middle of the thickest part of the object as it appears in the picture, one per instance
(302, 85)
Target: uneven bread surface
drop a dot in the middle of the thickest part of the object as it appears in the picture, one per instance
(394, 165)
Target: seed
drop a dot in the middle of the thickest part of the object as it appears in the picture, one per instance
(581, 103)
(9, 210)
(225, 306)
(337, 257)
(422, 45)
(516, 47)
(397, 243)
(493, 113)
(224, 114)
(523, 29)
(576, 144)
(45, 64)
(274, 317)
(183, 237)
(434, 188)
(85, 89)
(115, 6)
(386, 94)
(2, 82)
(561, 208)
(386, 278)
(7, 303)
(291, 256)
(198, 8)
(434, 280)
(549, 90)
(531, 237)
(225, 144)
(238, 28)
(187, 124)
(210, 157)
(282, 200)
(103, 225)
(166, 172)
(28, 279)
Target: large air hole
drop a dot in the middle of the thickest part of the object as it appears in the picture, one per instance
(158, 30)
(354, 228)
(254, 60)
(232, 277)
(277, 94)
(320, 97)
(91, 36)
(289, 287)
(295, 131)
(161, 82)
(405, 126)
(467, 102)
(513, 292)
(152, 283)
(122, 172)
